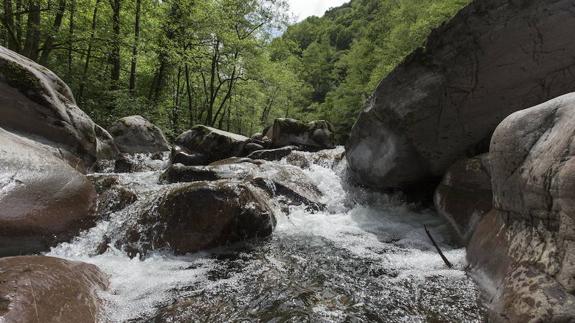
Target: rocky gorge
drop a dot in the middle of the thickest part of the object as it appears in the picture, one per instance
(122, 225)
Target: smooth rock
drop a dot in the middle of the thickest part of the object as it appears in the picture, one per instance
(38, 104)
(43, 200)
(112, 195)
(195, 216)
(212, 143)
(285, 181)
(106, 148)
(135, 134)
(445, 100)
(532, 161)
(314, 135)
(464, 195)
(50, 290)
(272, 154)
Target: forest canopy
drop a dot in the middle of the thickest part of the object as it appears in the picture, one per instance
(231, 64)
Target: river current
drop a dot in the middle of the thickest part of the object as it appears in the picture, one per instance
(366, 258)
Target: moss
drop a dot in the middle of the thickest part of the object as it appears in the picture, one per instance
(24, 80)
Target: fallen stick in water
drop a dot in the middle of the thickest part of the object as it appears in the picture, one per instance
(449, 265)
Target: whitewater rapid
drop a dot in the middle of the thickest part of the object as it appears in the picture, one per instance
(365, 258)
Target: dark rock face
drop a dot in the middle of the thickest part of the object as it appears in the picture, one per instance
(444, 101)
(314, 135)
(206, 143)
(51, 290)
(526, 245)
(464, 195)
(43, 199)
(106, 148)
(36, 103)
(112, 196)
(272, 154)
(135, 134)
(200, 215)
(285, 181)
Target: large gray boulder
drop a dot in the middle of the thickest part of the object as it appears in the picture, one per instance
(203, 145)
(51, 290)
(464, 195)
(135, 134)
(526, 245)
(35, 103)
(43, 200)
(200, 215)
(443, 102)
(314, 135)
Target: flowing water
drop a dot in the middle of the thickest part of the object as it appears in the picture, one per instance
(365, 258)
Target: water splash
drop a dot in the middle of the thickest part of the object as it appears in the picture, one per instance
(365, 258)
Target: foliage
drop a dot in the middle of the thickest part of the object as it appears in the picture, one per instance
(215, 62)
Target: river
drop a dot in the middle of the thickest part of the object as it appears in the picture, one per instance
(366, 258)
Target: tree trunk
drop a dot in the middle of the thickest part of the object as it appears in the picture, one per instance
(71, 37)
(89, 51)
(190, 102)
(8, 22)
(115, 52)
(176, 108)
(133, 66)
(32, 43)
(48, 43)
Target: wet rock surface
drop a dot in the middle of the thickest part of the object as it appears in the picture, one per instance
(314, 135)
(282, 180)
(37, 103)
(444, 101)
(464, 195)
(532, 226)
(208, 144)
(201, 215)
(43, 199)
(135, 134)
(51, 290)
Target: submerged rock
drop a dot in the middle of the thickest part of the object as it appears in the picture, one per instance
(51, 290)
(135, 134)
(195, 216)
(272, 154)
(464, 195)
(444, 101)
(112, 196)
(277, 180)
(37, 103)
(526, 245)
(43, 199)
(312, 136)
(206, 143)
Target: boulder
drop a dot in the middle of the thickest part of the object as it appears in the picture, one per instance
(445, 100)
(526, 245)
(329, 158)
(210, 144)
(135, 134)
(464, 195)
(314, 135)
(182, 156)
(112, 195)
(43, 199)
(37, 104)
(272, 154)
(195, 216)
(143, 162)
(285, 181)
(106, 148)
(51, 290)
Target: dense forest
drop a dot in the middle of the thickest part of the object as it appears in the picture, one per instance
(232, 64)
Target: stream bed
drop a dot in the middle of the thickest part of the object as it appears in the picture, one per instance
(366, 258)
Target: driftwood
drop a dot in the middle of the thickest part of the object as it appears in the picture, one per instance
(449, 265)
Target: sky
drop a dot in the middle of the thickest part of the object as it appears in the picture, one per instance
(302, 9)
